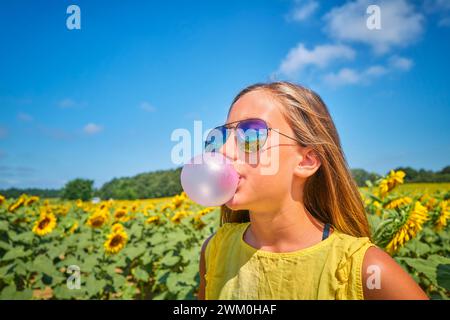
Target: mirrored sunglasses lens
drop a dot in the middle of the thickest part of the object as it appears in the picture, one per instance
(216, 139)
(251, 134)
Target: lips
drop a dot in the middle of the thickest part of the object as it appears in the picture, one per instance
(239, 182)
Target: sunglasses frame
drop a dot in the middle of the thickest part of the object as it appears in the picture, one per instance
(268, 128)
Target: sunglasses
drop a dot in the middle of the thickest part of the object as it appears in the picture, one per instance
(251, 135)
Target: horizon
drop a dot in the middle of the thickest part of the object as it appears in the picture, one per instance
(101, 102)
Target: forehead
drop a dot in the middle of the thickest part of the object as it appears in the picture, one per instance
(258, 104)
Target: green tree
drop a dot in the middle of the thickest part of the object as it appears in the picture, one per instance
(361, 176)
(78, 189)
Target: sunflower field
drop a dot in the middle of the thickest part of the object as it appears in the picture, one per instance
(150, 249)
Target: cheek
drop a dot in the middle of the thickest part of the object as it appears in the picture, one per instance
(272, 179)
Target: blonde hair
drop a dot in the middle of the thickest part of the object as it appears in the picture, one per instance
(331, 194)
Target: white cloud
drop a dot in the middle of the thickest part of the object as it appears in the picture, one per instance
(303, 10)
(146, 106)
(92, 128)
(24, 117)
(343, 77)
(375, 71)
(349, 76)
(401, 25)
(400, 63)
(66, 103)
(321, 56)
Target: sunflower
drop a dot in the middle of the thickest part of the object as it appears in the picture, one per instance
(417, 216)
(377, 207)
(152, 219)
(443, 216)
(149, 207)
(167, 206)
(98, 218)
(73, 227)
(429, 202)
(179, 215)
(397, 203)
(79, 204)
(394, 179)
(178, 200)
(121, 215)
(117, 227)
(16, 205)
(2, 199)
(116, 241)
(31, 200)
(45, 224)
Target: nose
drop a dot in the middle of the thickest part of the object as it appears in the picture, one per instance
(229, 148)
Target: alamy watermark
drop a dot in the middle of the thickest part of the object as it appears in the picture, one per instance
(373, 22)
(74, 280)
(73, 21)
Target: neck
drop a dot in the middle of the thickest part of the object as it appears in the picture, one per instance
(285, 228)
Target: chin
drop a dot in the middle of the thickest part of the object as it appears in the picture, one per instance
(236, 203)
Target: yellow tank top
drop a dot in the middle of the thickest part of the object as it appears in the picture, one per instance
(330, 269)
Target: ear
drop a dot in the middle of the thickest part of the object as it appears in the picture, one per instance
(309, 163)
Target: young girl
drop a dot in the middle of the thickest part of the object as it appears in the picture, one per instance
(299, 231)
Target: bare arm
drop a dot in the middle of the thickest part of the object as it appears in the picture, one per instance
(202, 267)
(394, 282)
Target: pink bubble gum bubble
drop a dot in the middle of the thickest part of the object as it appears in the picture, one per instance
(209, 179)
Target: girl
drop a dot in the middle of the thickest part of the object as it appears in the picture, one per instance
(295, 230)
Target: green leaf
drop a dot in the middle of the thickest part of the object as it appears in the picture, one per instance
(119, 281)
(62, 292)
(56, 251)
(147, 258)
(140, 274)
(25, 237)
(44, 264)
(443, 276)
(160, 296)
(94, 286)
(172, 283)
(4, 226)
(8, 292)
(26, 294)
(157, 238)
(133, 252)
(5, 246)
(15, 253)
(430, 268)
(89, 263)
(170, 260)
(21, 268)
(5, 269)
(136, 230)
(11, 293)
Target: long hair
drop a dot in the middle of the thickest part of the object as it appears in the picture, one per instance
(331, 194)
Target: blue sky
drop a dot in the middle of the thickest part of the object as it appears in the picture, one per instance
(102, 101)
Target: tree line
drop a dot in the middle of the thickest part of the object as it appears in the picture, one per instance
(166, 183)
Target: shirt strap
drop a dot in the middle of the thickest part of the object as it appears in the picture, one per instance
(326, 231)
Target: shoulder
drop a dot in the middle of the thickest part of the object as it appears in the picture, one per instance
(352, 246)
(224, 231)
(384, 278)
(348, 254)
